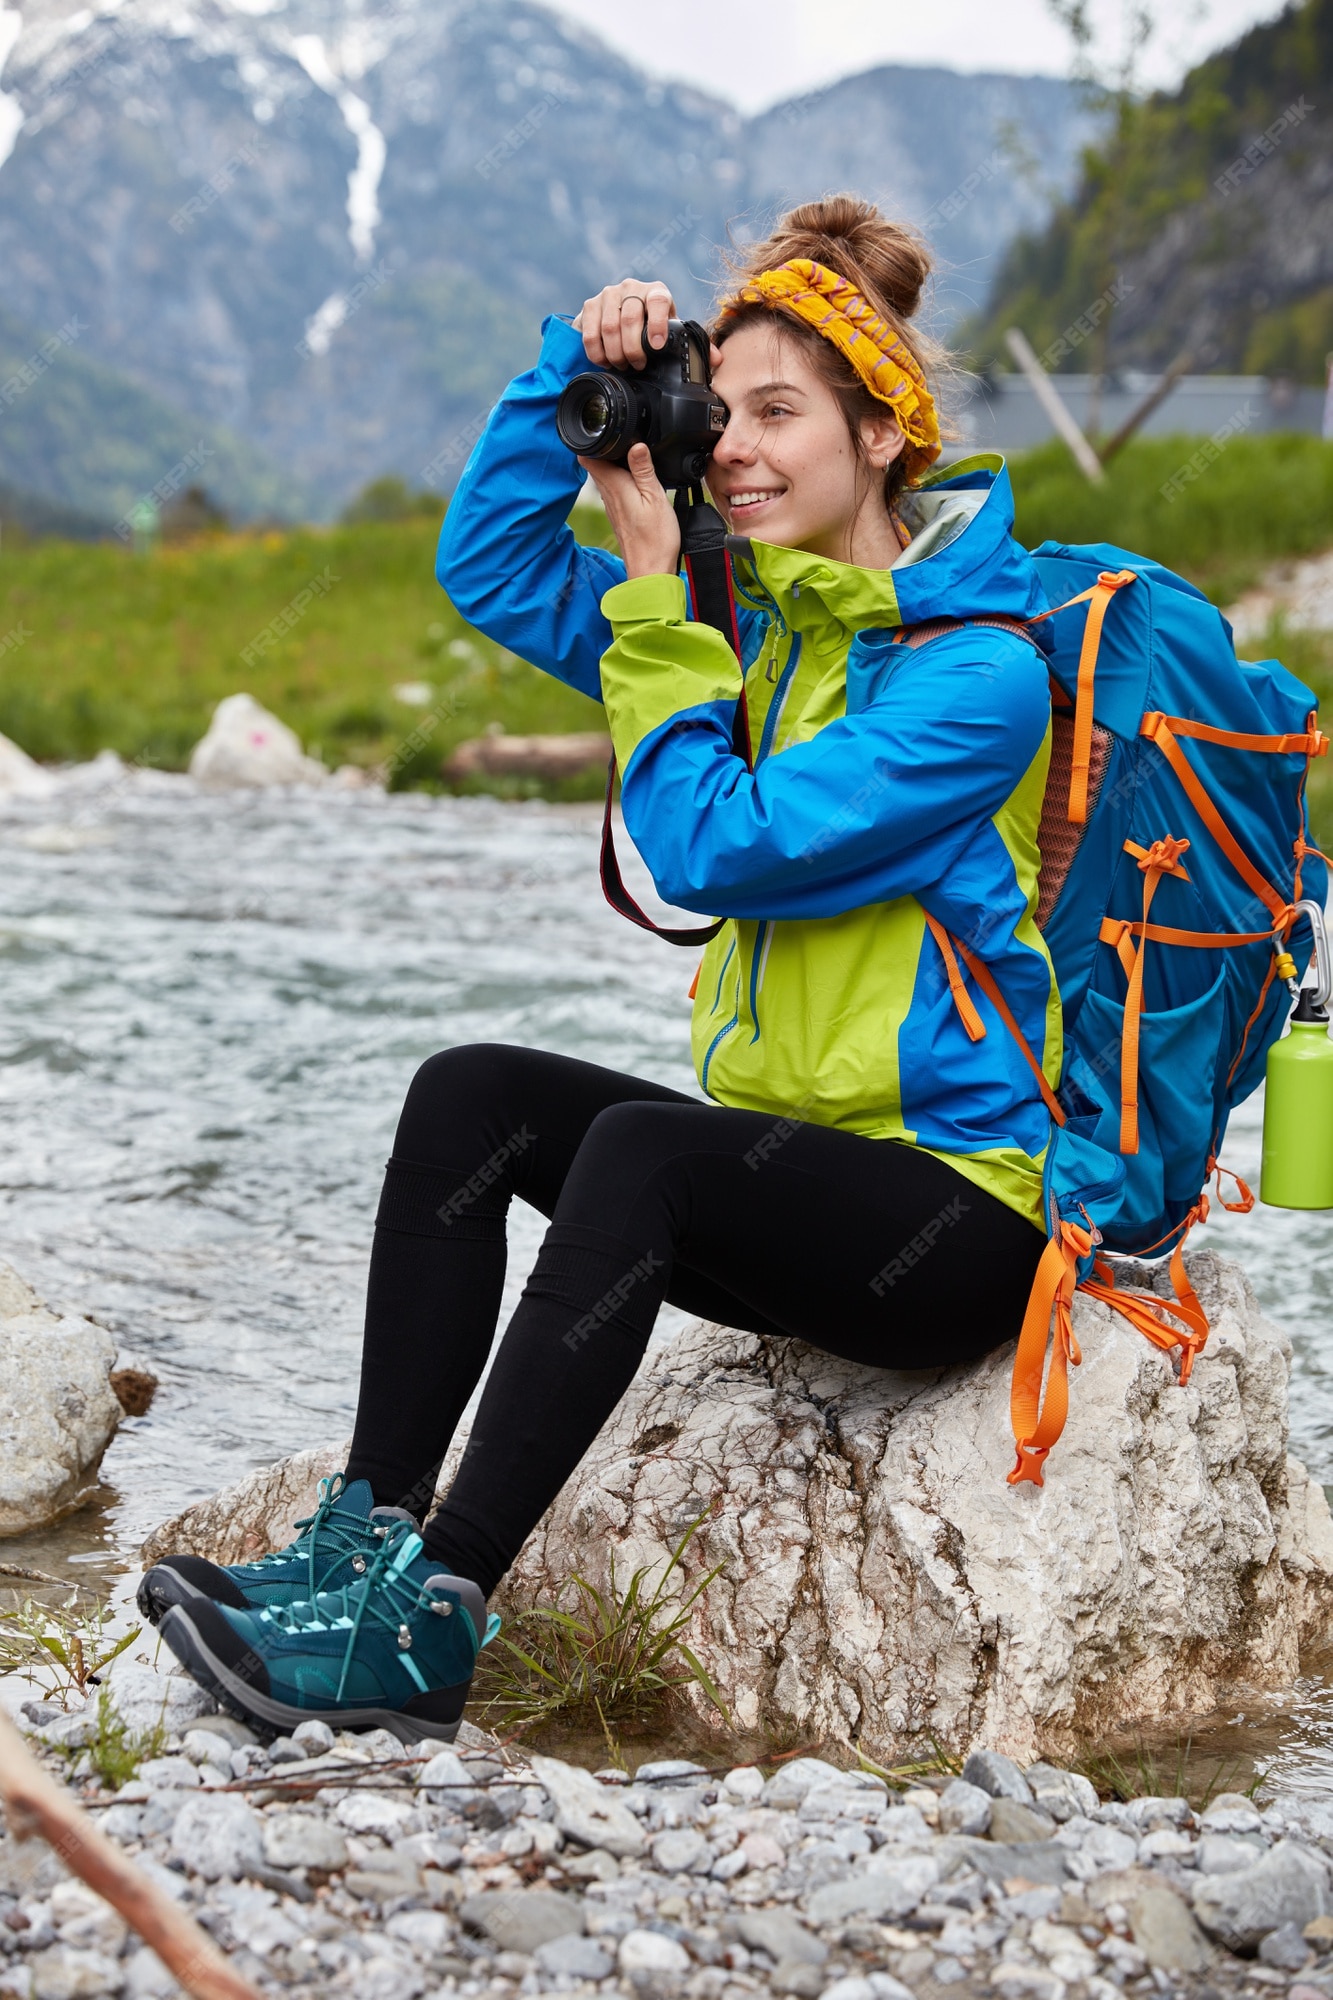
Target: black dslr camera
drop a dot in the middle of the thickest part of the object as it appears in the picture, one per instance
(669, 405)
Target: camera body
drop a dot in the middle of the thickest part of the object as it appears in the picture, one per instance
(669, 405)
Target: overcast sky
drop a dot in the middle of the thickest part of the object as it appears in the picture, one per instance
(757, 51)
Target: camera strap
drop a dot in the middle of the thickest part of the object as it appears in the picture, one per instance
(703, 547)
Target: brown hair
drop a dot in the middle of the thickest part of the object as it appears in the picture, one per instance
(887, 262)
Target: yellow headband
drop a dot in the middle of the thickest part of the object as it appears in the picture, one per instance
(884, 362)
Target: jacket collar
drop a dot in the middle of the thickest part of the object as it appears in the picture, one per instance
(962, 560)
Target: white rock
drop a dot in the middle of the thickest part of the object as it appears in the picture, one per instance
(997, 1775)
(964, 1808)
(446, 1780)
(83, 1919)
(62, 1973)
(744, 1784)
(1231, 1812)
(1223, 1853)
(146, 1978)
(646, 1954)
(1099, 1849)
(206, 1747)
(168, 1774)
(789, 1785)
(143, 1698)
(372, 1812)
(880, 1890)
(217, 1835)
(1303, 593)
(314, 1737)
(246, 746)
(881, 1569)
(586, 1811)
(58, 1411)
(302, 1840)
(1059, 1793)
(20, 778)
(1286, 1886)
(682, 1851)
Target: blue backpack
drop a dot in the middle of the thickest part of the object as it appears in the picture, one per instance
(1175, 850)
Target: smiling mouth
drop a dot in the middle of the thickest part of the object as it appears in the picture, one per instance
(754, 497)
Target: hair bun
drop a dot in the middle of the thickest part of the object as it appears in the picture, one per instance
(885, 260)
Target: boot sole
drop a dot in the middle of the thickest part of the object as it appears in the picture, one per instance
(278, 1718)
(155, 1596)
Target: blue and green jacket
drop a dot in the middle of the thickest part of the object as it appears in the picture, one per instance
(889, 782)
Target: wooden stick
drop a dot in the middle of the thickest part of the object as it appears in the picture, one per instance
(37, 1805)
(1152, 401)
(40, 1576)
(1062, 418)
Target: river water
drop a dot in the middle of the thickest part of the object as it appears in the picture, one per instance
(212, 1005)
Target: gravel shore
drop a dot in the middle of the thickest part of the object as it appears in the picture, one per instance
(329, 1864)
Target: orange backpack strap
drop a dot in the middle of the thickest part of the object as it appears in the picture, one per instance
(1037, 1423)
(1181, 1324)
(1163, 730)
(1097, 597)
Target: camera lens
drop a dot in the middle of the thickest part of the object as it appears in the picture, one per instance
(594, 416)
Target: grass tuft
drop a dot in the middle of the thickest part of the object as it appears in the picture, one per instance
(117, 1751)
(61, 1652)
(610, 1658)
(1158, 1773)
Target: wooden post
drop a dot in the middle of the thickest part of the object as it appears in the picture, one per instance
(1052, 402)
(1152, 401)
(38, 1805)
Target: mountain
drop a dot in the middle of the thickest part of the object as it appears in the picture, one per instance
(1205, 219)
(92, 441)
(332, 228)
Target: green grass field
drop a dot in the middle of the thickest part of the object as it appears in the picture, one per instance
(102, 647)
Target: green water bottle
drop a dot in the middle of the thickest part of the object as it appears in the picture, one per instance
(1298, 1101)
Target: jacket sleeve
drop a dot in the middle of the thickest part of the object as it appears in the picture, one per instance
(878, 805)
(506, 556)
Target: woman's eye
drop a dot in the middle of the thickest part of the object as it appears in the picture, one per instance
(777, 409)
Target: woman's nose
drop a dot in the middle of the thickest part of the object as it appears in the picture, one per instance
(735, 446)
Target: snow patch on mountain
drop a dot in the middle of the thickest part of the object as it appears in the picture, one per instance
(363, 207)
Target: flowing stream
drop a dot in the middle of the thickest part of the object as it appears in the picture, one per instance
(212, 1007)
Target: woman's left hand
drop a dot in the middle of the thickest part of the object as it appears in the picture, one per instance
(641, 516)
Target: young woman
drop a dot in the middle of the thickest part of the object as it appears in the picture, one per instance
(867, 1173)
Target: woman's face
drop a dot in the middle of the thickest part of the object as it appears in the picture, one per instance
(785, 469)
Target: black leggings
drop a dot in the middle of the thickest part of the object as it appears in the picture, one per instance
(867, 1248)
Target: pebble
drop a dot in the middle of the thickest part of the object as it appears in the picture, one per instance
(450, 1872)
(647, 1955)
(964, 1808)
(998, 1775)
(1285, 1948)
(303, 1840)
(574, 1957)
(216, 1836)
(1286, 1886)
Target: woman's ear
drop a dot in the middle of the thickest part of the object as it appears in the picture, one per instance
(883, 439)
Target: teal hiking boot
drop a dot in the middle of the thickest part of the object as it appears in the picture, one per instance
(335, 1545)
(395, 1650)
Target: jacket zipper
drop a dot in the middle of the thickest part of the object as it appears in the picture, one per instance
(763, 941)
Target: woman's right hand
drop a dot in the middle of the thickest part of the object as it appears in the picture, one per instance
(614, 323)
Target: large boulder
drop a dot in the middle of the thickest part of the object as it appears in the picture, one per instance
(246, 746)
(881, 1579)
(58, 1407)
